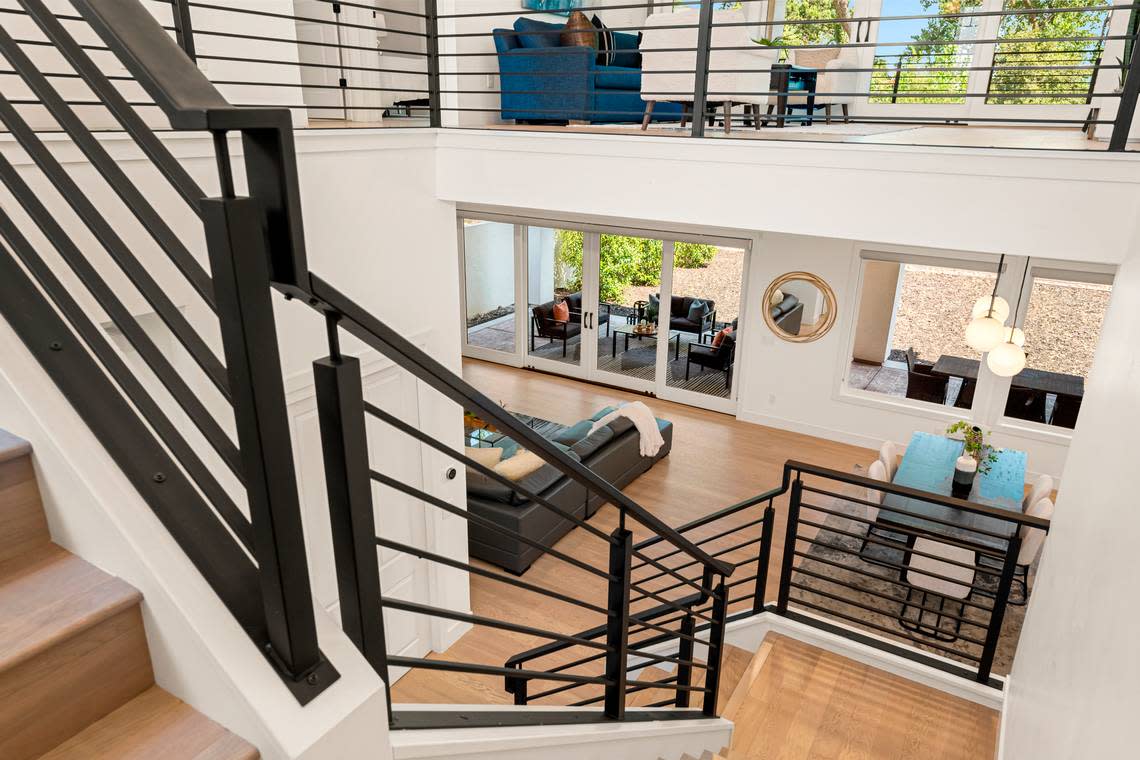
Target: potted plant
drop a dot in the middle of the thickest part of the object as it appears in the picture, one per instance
(975, 446)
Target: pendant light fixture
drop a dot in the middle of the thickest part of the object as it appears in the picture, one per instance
(986, 330)
(1008, 357)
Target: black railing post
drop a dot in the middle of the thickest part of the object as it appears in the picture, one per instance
(340, 408)
(789, 544)
(617, 627)
(997, 614)
(764, 559)
(435, 110)
(239, 262)
(716, 647)
(183, 28)
(1126, 109)
(701, 72)
(895, 85)
(685, 655)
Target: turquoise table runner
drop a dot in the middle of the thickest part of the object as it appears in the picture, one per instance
(928, 465)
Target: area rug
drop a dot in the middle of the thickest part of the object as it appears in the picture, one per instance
(872, 582)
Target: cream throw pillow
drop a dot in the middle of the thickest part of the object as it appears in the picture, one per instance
(520, 465)
(777, 297)
(488, 456)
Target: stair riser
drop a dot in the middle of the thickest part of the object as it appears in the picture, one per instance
(23, 526)
(48, 698)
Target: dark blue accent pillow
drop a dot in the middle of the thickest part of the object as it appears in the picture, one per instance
(625, 50)
(538, 34)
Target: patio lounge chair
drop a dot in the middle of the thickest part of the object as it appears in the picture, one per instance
(544, 325)
(714, 357)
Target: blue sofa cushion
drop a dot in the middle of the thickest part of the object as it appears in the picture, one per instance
(617, 78)
(538, 34)
(626, 51)
(505, 39)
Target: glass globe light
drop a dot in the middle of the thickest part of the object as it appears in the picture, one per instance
(1006, 360)
(984, 333)
(1014, 335)
(982, 308)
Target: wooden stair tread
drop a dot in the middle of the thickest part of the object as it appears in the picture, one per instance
(154, 724)
(12, 446)
(49, 595)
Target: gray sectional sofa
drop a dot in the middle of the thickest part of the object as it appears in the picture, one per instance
(613, 452)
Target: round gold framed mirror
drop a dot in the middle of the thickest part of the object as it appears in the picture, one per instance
(799, 307)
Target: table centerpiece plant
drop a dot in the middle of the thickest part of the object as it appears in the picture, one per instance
(976, 447)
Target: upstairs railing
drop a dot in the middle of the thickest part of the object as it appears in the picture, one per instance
(244, 530)
(1053, 64)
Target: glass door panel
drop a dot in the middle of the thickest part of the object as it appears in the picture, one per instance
(629, 287)
(704, 308)
(923, 62)
(555, 280)
(489, 287)
(1047, 58)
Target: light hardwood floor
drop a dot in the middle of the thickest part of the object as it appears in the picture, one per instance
(798, 702)
(715, 461)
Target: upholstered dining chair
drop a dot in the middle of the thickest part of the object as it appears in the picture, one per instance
(952, 578)
(877, 471)
(1042, 488)
(889, 456)
(1032, 540)
(835, 84)
(740, 70)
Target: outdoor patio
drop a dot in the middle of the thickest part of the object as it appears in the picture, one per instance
(638, 361)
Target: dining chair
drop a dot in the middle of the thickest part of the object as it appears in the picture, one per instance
(888, 455)
(1032, 540)
(877, 471)
(921, 385)
(928, 595)
(1042, 488)
(965, 399)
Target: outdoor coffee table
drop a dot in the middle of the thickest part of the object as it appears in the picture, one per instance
(628, 330)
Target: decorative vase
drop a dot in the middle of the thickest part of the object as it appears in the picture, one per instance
(965, 469)
(579, 32)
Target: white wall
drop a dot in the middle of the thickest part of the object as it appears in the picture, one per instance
(489, 266)
(1074, 680)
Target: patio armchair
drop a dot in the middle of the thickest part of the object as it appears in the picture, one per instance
(1025, 404)
(713, 357)
(921, 385)
(544, 325)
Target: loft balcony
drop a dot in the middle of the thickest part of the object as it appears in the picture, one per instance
(885, 72)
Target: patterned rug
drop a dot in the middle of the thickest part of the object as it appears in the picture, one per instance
(878, 586)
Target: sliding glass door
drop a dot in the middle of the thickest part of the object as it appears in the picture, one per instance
(641, 311)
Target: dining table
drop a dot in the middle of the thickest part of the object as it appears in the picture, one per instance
(928, 465)
(1034, 379)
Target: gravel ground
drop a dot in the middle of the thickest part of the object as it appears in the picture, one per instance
(1061, 327)
(720, 281)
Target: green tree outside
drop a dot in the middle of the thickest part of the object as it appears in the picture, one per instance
(625, 261)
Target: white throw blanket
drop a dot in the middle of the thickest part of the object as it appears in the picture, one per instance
(642, 418)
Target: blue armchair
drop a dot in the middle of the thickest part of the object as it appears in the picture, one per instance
(545, 83)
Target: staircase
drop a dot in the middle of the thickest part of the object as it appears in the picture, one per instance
(75, 673)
